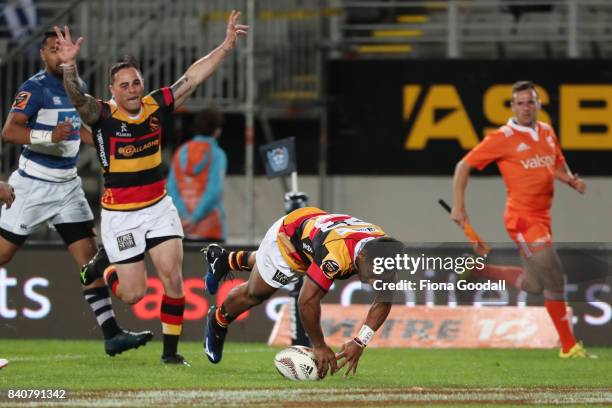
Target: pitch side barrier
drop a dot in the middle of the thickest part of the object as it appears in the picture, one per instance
(40, 297)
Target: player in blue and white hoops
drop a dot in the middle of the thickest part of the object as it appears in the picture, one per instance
(47, 186)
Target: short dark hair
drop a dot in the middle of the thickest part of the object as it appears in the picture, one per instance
(523, 86)
(46, 35)
(207, 121)
(127, 62)
(384, 246)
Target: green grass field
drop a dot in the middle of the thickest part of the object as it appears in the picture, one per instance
(247, 377)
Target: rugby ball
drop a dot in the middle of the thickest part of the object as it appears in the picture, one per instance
(297, 363)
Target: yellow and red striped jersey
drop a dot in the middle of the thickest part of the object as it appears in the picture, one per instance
(323, 245)
(130, 152)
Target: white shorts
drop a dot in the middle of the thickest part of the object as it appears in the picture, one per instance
(124, 233)
(37, 202)
(271, 265)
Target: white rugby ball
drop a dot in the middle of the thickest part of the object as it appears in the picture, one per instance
(297, 363)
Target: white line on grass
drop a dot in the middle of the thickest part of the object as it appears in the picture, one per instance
(336, 396)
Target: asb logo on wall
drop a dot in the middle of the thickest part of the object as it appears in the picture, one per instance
(421, 117)
(584, 114)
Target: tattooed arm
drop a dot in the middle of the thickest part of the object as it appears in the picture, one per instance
(203, 68)
(85, 104)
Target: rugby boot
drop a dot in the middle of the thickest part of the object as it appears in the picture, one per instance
(214, 337)
(126, 340)
(175, 359)
(577, 351)
(218, 266)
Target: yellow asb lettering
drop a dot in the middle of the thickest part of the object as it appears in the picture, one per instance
(454, 125)
(496, 105)
(574, 114)
(411, 94)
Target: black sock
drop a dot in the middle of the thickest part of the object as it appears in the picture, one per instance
(170, 345)
(100, 302)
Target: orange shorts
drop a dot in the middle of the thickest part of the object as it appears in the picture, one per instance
(530, 231)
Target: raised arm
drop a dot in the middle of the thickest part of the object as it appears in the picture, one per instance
(86, 105)
(203, 68)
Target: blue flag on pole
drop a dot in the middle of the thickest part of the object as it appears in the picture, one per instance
(279, 157)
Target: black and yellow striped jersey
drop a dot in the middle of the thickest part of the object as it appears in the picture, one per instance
(130, 152)
(323, 245)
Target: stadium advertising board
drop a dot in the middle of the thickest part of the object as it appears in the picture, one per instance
(426, 115)
(40, 297)
(435, 327)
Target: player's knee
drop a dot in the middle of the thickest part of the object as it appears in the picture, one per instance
(532, 279)
(239, 291)
(174, 282)
(532, 286)
(132, 298)
(134, 294)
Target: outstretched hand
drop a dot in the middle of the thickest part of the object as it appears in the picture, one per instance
(234, 30)
(351, 353)
(67, 50)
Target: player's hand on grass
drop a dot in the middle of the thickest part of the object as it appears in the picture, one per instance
(577, 184)
(67, 50)
(326, 360)
(234, 30)
(7, 194)
(351, 353)
(61, 132)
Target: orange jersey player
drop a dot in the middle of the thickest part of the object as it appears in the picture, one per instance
(307, 241)
(529, 158)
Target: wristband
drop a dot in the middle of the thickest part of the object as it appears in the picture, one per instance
(365, 334)
(359, 343)
(40, 136)
(67, 66)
